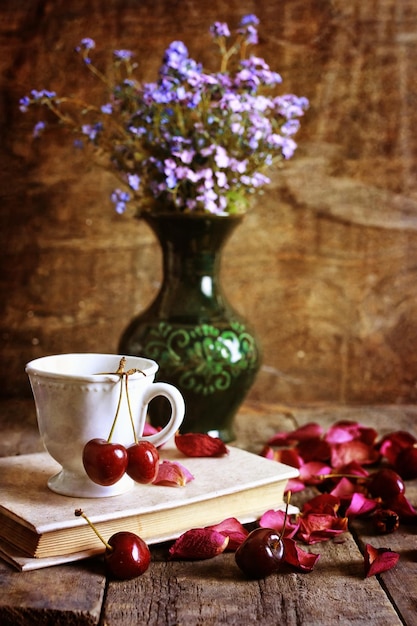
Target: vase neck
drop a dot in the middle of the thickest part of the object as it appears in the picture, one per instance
(192, 249)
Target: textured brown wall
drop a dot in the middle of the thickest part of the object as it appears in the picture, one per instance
(326, 264)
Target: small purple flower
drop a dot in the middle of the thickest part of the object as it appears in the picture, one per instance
(86, 44)
(219, 29)
(248, 28)
(123, 55)
(175, 54)
(107, 109)
(24, 104)
(249, 19)
(133, 181)
(119, 199)
(40, 95)
(221, 157)
(38, 129)
(92, 131)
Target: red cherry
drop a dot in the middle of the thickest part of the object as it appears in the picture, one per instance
(126, 556)
(142, 462)
(104, 462)
(406, 463)
(261, 553)
(385, 484)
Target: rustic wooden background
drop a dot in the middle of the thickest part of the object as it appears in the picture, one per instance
(325, 266)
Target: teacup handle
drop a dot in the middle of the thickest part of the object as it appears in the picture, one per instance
(176, 401)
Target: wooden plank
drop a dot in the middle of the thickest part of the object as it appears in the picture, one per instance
(215, 592)
(68, 595)
(400, 582)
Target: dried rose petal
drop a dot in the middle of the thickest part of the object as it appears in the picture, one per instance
(314, 449)
(394, 442)
(198, 543)
(276, 519)
(232, 528)
(346, 430)
(353, 467)
(386, 521)
(325, 503)
(288, 456)
(294, 485)
(150, 430)
(315, 527)
(344, 489)
(378, 560)
(360, 505)
(200, 445)
(172, 474)
(311, 472)
(308, 431)
(298, 558)
(344, 453)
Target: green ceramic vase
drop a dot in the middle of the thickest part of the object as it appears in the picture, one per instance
(202, 346)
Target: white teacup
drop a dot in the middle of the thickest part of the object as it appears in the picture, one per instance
(76, 398)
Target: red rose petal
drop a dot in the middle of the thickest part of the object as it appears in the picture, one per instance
(294, 485)
(314, 449)
(298, 558)
(172, 474)
(308, 431)
(150, 430)
(275, 519)
(344, 489)
(325, 503)
(316, 527)
(345, 431)
(198, 544)
(200, 445)
(394, 442)
(377, 560)
(360, 505)
(358, 451)
(311, 472)
(232, 528)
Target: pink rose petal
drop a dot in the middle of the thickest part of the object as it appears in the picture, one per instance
(232, 528)
(172, 474)
(378, 560)
(298, 558)
(198, 544)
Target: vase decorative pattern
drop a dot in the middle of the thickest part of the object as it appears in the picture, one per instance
(203, 347)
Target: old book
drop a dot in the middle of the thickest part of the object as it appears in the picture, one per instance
(36, 523)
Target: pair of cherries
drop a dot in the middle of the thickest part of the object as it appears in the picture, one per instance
(106, 463)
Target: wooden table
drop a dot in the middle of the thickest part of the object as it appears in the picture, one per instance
(214, 591)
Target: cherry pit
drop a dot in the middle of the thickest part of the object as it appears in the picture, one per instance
(106, 462)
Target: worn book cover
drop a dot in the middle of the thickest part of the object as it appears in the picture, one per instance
(38, 527)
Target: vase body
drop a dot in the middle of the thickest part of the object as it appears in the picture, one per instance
(202, 346)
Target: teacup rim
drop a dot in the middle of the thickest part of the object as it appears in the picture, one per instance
(147, 367)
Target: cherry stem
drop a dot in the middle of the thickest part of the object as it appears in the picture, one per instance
(122, 374)
(356, 476)
(113, 426)
(80, 513)
(285, 516)
(130, 408)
